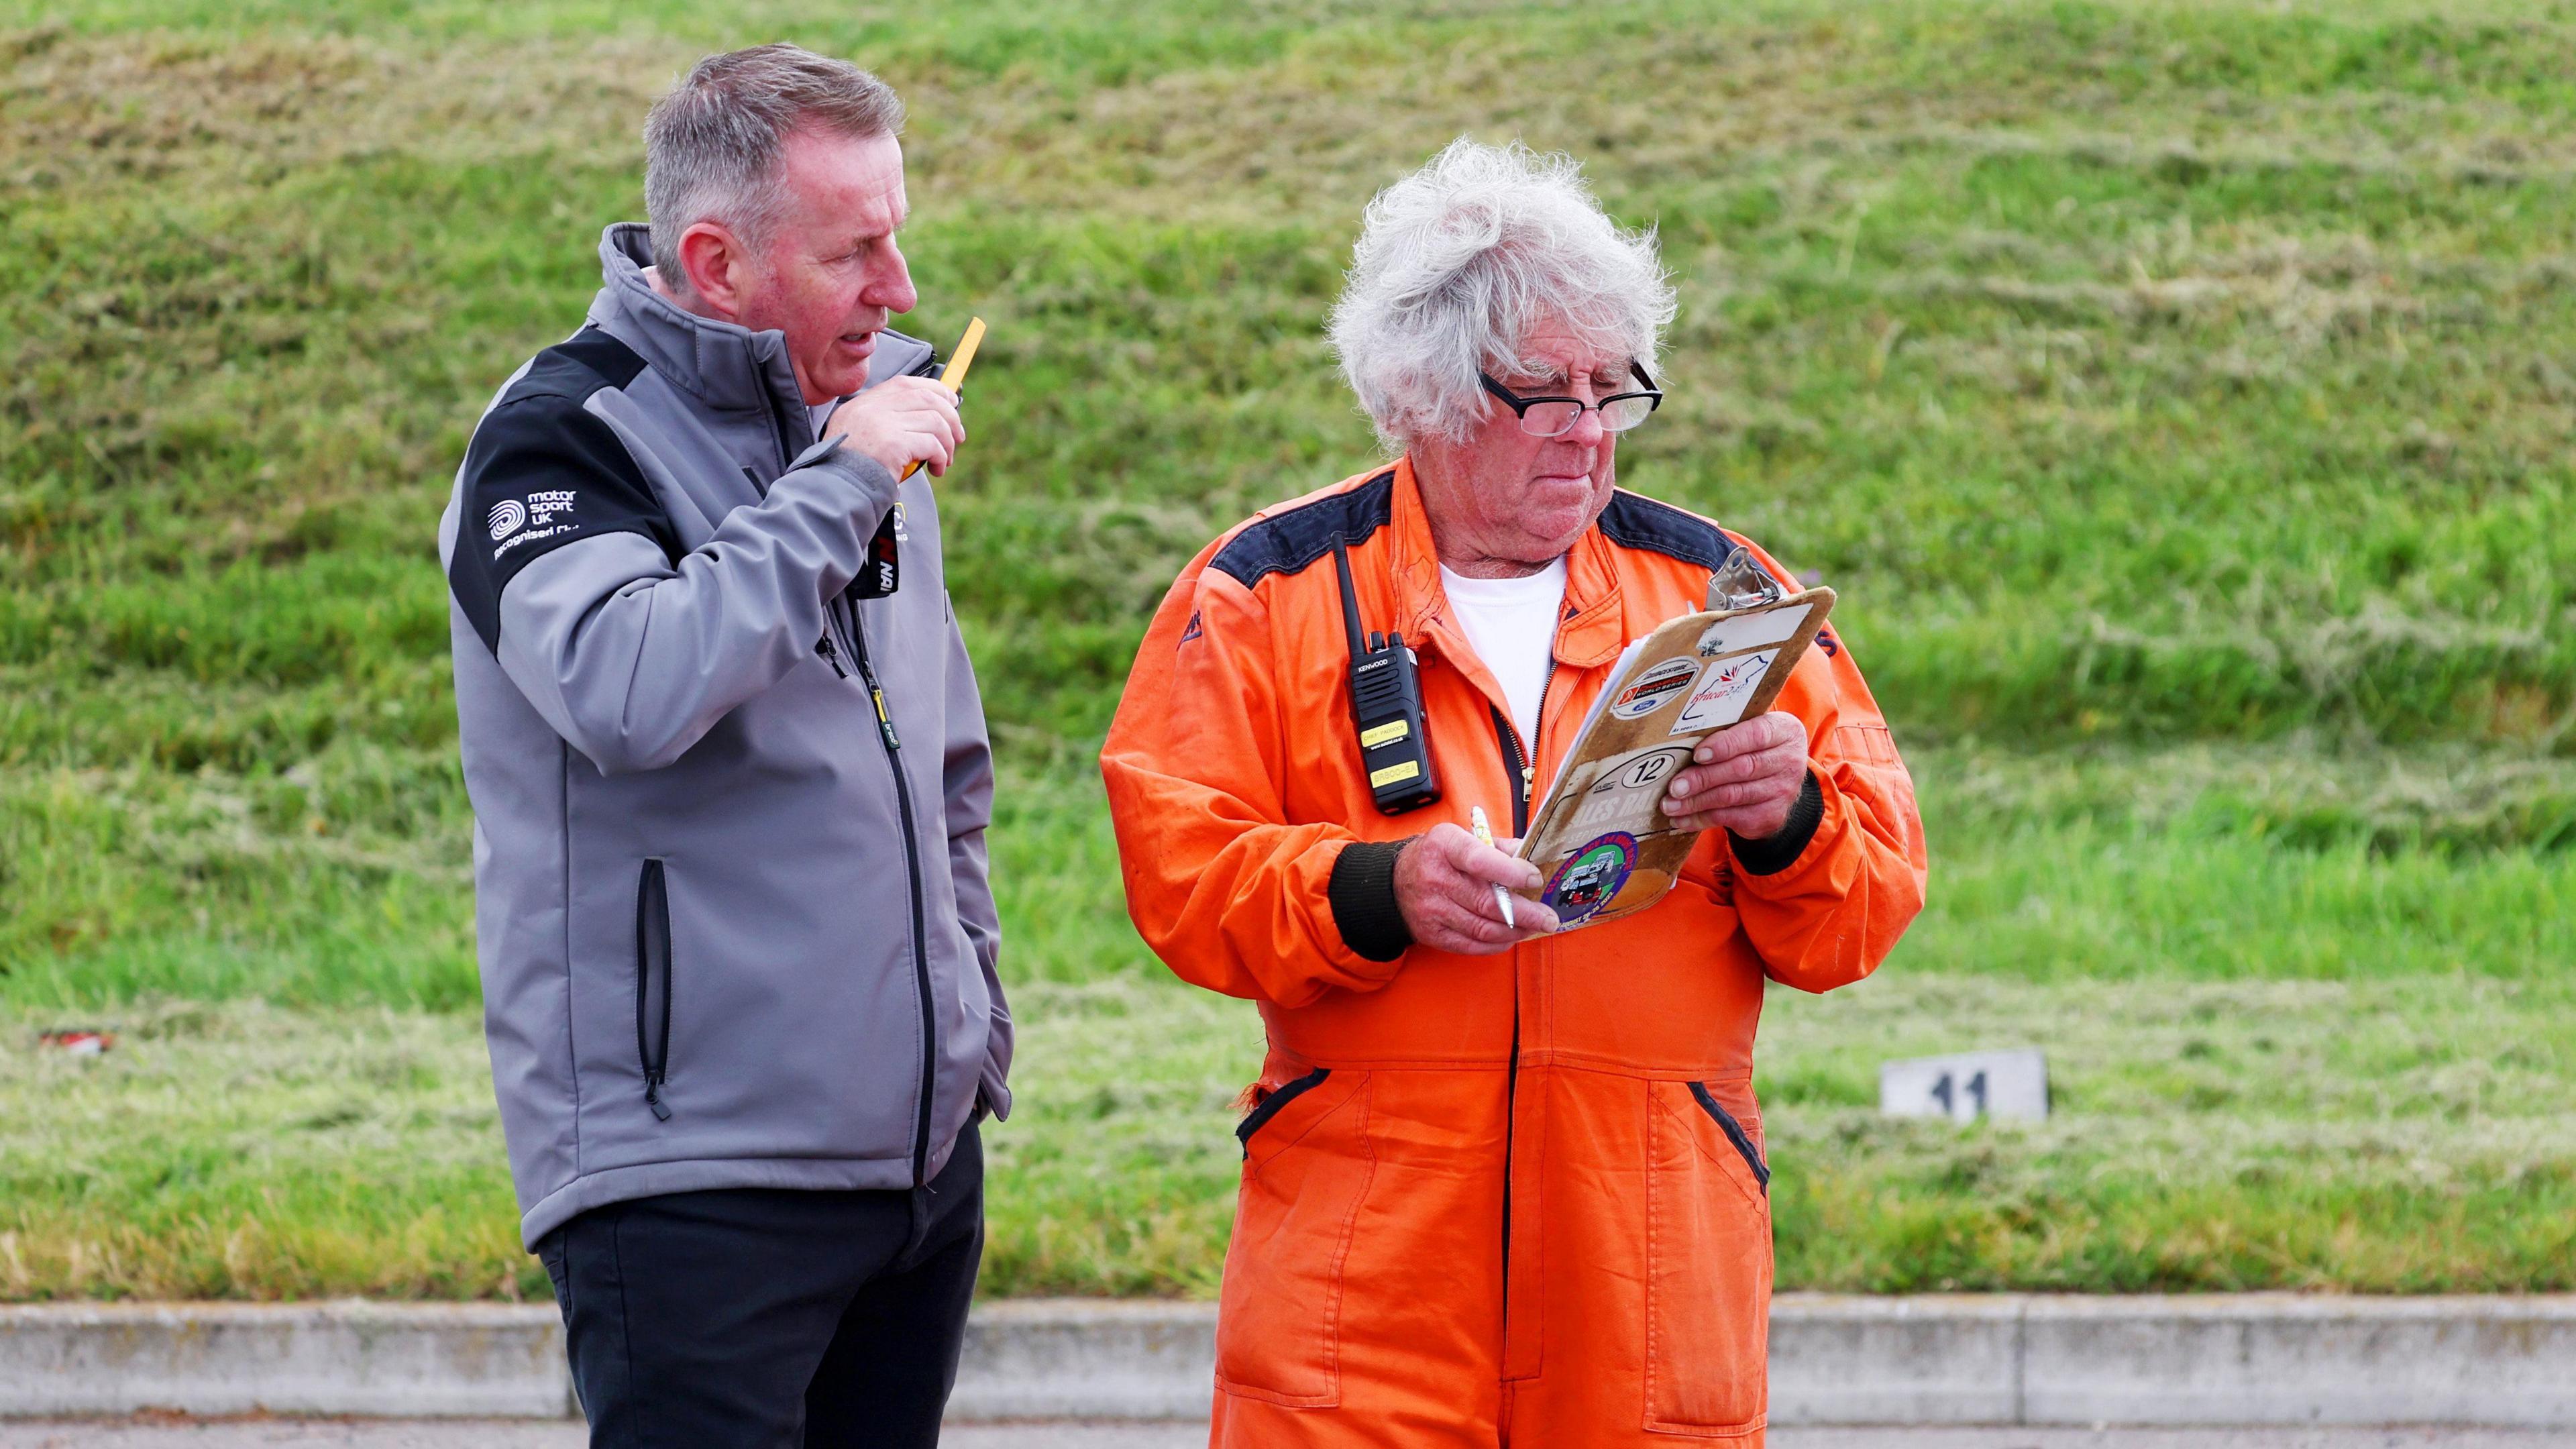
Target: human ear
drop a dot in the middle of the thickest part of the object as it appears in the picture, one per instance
(715, 263)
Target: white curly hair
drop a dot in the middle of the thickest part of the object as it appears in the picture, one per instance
(1459, 262)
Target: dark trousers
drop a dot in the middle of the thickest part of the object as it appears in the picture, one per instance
(760, 1318)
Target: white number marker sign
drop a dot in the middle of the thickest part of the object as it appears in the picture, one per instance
(1966, 1086)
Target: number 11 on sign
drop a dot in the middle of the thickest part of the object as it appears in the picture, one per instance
(1976, 1091)
(1966, 1087)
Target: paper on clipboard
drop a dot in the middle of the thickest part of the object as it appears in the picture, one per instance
(1600, 839)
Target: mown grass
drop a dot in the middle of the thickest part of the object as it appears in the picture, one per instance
(2176, 392)
(239, 1150)
(2379, 1135)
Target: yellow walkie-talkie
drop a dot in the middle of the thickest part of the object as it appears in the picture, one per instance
(884, 568)
(953, 376)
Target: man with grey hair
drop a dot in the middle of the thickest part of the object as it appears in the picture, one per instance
(1499, 1186)
(730, 782)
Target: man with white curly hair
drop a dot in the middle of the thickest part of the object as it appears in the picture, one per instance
(1499, 1186)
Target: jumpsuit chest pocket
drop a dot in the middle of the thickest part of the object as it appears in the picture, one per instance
(1708, 1262)
(1307, 1164)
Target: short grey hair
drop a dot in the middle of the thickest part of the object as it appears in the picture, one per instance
(711, 145)
(1457, 263)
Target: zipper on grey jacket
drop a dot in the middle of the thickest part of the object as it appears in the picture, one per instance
(653, 984)
(912, 867)
(835, 610)
(1736, 1134)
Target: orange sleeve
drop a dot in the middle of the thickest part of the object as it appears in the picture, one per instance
(1224, 889)
(1828, 916)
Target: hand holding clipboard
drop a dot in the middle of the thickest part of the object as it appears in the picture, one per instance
(1603, 836)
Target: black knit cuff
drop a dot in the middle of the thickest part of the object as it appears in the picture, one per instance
(1362, 892)
(1781, 851)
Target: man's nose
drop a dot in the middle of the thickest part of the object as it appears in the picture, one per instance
(1587, 431)
(891, 286)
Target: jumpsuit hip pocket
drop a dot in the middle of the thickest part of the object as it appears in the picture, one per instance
(1307, 1163)
(1708, 1262)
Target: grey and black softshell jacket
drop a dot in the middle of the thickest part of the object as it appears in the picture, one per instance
(734, 931)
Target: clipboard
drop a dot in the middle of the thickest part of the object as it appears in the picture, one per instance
(1603, 846)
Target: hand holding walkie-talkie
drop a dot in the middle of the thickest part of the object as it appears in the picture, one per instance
(883, 573)
(953, 377)
(907, 423)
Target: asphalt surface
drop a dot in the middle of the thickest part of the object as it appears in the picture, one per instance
(487, 1434)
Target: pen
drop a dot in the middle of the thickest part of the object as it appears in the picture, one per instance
(1485, 833)
(953, 376)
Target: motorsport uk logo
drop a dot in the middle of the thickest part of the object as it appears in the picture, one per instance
(513, 523)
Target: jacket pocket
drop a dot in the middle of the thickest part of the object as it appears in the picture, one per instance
(653, 985)
(1271, 1106)
(1708, 1267)
(1735, 1134)
(1307, 1162)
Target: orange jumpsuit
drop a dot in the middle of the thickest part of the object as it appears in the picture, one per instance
(1507, 1199)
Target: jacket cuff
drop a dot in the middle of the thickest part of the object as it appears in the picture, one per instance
(867, 472)
(1781, 851)
(1362, 893)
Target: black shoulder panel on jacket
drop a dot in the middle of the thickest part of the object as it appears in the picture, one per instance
(542, 471)
(1284, 543)
(578, 366)
(1635, 521)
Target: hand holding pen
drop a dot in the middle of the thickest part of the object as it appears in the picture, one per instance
(1485, 836)
(1453, 890)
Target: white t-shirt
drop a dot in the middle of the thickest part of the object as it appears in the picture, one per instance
(1512, 625)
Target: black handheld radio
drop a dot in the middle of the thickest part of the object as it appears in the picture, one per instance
(1386, 701)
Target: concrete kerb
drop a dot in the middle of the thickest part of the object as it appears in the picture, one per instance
(2257, 1359)
(2247, 1359)
(1055, 1358)
(377, 1359)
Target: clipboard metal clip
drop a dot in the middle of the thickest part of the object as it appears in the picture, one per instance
(1741, 583)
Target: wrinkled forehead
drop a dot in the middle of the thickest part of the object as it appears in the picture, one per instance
(1558, 346)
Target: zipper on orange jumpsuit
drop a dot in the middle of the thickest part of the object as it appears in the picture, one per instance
(1517, 758)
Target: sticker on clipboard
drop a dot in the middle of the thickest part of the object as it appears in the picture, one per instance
(1724, 689)
(1590, 877)
(1613, 795)
(1654, 689)
(1752, 631)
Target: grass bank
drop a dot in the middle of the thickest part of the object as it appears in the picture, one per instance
(2175, 392)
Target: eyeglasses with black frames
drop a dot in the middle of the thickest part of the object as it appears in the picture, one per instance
(1554, 417)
